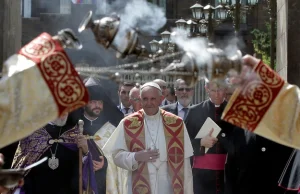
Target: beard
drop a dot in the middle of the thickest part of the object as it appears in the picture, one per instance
(185, 101)
(90, 112)
(60, 121)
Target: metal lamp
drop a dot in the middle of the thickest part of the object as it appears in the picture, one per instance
(208, 9)
(223, 2)
(221, 12)
(190, 26)
(252, 2)
(197, 11)
(165, 36)
(203, 26)
(153, 46)
(181, 24)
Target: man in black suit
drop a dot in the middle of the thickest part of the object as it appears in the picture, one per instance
(208, 168)
(255, 164)
(125, 106)
(184, 96)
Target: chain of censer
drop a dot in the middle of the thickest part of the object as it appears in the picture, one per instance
(139, 64)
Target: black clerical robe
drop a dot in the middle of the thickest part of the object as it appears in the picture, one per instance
(63, 180)
(208, 169)
(290, 178)
(255, 165)
(90, 128)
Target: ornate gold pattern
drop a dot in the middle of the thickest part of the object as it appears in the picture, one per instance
(170, 119)
(135, 140)
(58, 72)
(249, 104)
(40, 47)
(134, 122)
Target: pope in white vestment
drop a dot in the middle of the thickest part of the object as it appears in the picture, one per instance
(153, 130)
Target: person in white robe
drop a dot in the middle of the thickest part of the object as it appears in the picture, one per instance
(38, 85)
(155, 155)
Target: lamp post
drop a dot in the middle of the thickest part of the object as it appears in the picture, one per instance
(209, 13)
(207, 17)
(235, 7)
(163, 46)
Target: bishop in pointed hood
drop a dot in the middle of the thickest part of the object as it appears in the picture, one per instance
(108, 111)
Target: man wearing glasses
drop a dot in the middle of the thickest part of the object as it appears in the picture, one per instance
(184, 96)
(134, 98)
(208, 168)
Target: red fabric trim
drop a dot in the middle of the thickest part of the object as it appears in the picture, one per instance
(254, 98)
(210, 161)
(58, 72)
(135, 140)
(288, 189)
(175, 144)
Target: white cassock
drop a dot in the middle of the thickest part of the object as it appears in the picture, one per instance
(160, 180)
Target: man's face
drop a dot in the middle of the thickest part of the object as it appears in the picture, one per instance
(163, 87)
(124, 95)
(170, 97)
(151, 99)
(216, 93)
(94, 108)
(184, 94)
(135, 100)
(61, 121)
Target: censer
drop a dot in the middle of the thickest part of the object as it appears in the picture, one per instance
(109, 33)
(218, 69)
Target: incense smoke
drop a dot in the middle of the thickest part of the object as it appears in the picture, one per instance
(139, 15)
(196, 46)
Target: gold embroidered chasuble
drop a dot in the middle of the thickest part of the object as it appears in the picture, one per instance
(174, 135)
(38, 84)
(268, 106)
